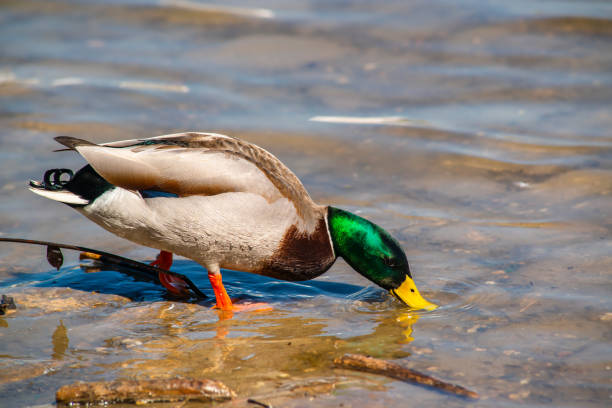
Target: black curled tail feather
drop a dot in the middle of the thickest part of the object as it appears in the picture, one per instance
(85, 185)
(52, 180)
(56, 183)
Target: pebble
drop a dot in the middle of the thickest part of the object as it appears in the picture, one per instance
(474, 328)
(129, 343)
(424, 350)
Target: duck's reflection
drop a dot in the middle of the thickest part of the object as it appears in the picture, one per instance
(406, 320)
(390, 328)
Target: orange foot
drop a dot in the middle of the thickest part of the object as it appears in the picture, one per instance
(225, 303)
(253, 307)
(173, 284)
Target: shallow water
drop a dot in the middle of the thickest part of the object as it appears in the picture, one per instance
(477, 132)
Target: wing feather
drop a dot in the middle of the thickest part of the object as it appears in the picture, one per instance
(196, 164)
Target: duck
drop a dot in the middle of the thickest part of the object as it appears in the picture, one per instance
(224, 203)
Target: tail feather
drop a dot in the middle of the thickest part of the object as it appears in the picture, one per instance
(63, 196)
(81, 189)
(72, 142)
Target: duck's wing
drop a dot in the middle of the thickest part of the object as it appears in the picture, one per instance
(196, 164)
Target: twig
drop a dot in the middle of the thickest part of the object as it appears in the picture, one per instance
(106, 257)
(261, 404)
(386, 368)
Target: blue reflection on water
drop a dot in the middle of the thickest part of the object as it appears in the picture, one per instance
(240, 285)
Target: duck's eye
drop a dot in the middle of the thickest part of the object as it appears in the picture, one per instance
(387, 260)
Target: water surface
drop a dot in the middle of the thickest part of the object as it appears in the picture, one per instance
(476, 132)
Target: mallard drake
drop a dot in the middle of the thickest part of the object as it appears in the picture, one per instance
(224, 203)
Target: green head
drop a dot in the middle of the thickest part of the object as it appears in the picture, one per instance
(375, 254)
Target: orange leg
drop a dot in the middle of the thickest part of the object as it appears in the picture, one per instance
(175, 285)
(223, 300)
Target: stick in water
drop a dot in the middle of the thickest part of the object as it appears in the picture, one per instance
(386, 368)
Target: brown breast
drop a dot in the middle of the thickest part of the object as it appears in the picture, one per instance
(302, 256)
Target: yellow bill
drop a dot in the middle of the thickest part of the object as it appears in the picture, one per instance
(409, 294)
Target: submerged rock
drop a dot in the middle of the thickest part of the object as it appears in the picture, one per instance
(51, 300)
(144, 391)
